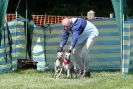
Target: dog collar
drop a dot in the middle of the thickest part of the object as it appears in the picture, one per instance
(66, 61)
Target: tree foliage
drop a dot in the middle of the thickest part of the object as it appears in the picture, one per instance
(70, 7)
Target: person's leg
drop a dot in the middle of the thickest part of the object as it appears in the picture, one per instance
(86, 57)
(77, 56)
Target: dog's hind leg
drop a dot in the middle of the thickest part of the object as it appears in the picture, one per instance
(75, 72)
(71, 72)
(68, 73)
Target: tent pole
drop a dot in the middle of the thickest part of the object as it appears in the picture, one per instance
(123, 67)
(122, 51)
(26, 26)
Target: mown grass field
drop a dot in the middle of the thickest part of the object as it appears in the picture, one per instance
(32, 79)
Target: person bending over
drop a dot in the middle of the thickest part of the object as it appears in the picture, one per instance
(83, 34)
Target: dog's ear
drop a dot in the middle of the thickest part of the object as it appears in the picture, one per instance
(60, 49)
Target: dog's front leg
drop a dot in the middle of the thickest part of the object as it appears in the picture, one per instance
(56, 71)
(59, 73)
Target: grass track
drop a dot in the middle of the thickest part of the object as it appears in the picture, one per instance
(32, 79)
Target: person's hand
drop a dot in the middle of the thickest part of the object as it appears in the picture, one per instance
(69, 50)
(60, 49)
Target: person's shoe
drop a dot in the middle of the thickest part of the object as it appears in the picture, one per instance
(85, 74)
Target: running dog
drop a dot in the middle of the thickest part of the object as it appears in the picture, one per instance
(58, 64)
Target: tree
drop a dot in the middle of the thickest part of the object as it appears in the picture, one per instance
(70, 7)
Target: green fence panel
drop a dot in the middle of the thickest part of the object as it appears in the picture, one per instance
(38, 47)
(5, 51)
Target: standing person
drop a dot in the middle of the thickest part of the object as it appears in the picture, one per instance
(83, 33)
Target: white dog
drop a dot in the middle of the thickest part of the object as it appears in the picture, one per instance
(58, 64)
(68, 65)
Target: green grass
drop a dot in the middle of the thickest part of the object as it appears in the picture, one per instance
(32, 79)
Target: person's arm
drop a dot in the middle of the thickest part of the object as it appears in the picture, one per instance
(75, 35)
(74, 40)
(77, 29)
(64, 38)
